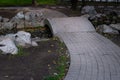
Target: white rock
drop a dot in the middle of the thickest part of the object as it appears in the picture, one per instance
(20, 15)
(107, 29)
(89, 10)
(27, 16)
(34, 43)
(7, 25)
(115, 26)
(8, 46)
(10, 36)
(5, 19)
(22, 38)
(34, 17)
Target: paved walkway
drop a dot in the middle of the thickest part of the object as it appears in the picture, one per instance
(93, 57)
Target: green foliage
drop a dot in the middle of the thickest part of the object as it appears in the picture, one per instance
(20, 53)
(14, 2)
(25, 2)
(50, 2)
(56, 77)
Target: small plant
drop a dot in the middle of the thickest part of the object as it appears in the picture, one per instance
(20, 53)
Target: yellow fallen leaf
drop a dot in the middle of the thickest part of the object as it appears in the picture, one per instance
(54, 62)
(62, 48)
(48, 65)
(52, 45)
(49, 68)
(49, 51)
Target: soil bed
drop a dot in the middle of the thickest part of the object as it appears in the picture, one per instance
(34, 65)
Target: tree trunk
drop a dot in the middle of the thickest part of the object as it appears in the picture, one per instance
(74, 4)
(34, 3)
(83, 3)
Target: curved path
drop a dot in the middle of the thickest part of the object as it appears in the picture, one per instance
(93, 57)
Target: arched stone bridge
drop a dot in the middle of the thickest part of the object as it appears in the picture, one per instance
(93, 57)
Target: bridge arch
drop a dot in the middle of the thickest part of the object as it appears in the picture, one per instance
(69, 24)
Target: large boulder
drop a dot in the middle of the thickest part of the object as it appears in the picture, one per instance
(34, 17)
(115, 26)
(7, 25)
(7, 46)
(10, 36)
(21, 24)
(5, 19)
(89, 10)
(23, 38)
(15, 19)
(20, 15)
(106, 29)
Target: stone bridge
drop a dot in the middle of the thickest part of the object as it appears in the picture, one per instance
(92, 56)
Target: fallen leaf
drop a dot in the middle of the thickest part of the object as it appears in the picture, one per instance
(54, 62)
(49, 68)
(49, 51)
(52, 45)
(48, 65)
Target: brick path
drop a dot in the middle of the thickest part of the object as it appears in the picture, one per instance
(93, 57)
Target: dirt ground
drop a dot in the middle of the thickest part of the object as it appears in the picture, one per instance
(33, 66)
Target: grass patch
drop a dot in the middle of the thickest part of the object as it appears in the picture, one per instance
(62, 65)
(21, 53)
(60, 68)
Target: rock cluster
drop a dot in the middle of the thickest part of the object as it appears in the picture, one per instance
(22, 19)
(106, 21)
(28, 18)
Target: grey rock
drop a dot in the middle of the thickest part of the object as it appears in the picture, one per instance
(34, 43)
(15, 20)
(5, 19)
(20, 15)
(89, 10)
(1, 18)
(8, 46)
(23, 38)
(21, 24)
(115, 26)
(7, 25)
(28, 24)
(27, 16)
(10, 36)
(106, 29)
